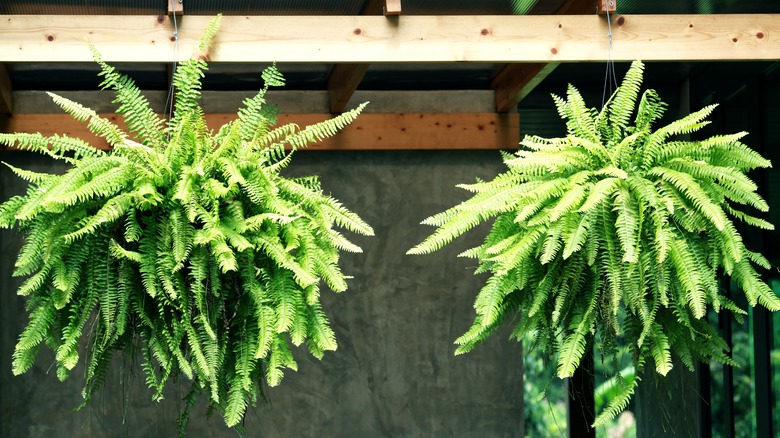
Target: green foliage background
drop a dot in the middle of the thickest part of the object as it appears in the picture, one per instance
(183, 245)
(617, 233)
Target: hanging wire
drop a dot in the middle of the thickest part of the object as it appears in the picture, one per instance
(168, 110)
(610, 78)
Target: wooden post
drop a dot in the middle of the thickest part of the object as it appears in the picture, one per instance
(342, 83)
(607, 6)
(175, 7)
(580, 412)
(515, 81)
(762, 318)
(392, 7)
(344, 79)
(6, 92)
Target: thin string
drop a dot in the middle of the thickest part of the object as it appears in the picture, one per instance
(610, 78)
(169, 99)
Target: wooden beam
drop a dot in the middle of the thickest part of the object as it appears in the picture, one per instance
(344, 39)
(381, 7)
(344, 79)
(342, 83)
(6, 92)
(411, 131)
(515, 81)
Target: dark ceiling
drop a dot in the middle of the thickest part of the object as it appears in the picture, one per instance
(353, 7)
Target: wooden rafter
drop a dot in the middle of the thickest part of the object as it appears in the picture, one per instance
(342, 83)
(515, 81)
(335, 39)
(6, 92)
(369, 132)
(381, 7)
(344, 79)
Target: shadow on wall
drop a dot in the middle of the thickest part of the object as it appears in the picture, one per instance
(394, 374)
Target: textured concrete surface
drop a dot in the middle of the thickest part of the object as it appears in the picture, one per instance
(394, 374)
(288, 101)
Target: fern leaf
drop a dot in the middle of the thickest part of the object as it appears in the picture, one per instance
(617, 404)
(134, 107)
(320, 332)
(622, 104)
(616, 233)
(600, 191)
(99, 126)
(627, 224)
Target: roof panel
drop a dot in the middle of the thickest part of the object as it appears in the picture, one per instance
(699, 7)
(191, 7)
(84, 7)
(459, 7)
(273, 7)
(353, 7)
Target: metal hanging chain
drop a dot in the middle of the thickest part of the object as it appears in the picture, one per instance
(610, 79)
(169, 99)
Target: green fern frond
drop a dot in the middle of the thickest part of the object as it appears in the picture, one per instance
(660, 350)
(616, 233)
(29, 176)
(617, 404)
(650, 109)
(97, 125)
(181, 244)
(58, 147)
(623, 102)
(573, 347)
(140, 118)
(318, 131)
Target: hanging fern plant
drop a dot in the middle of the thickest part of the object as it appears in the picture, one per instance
(186, 245)
(616, 232)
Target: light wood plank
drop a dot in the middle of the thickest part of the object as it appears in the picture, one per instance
(369, 39)
(418, 131)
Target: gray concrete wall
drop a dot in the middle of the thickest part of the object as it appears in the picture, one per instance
(394, 373)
